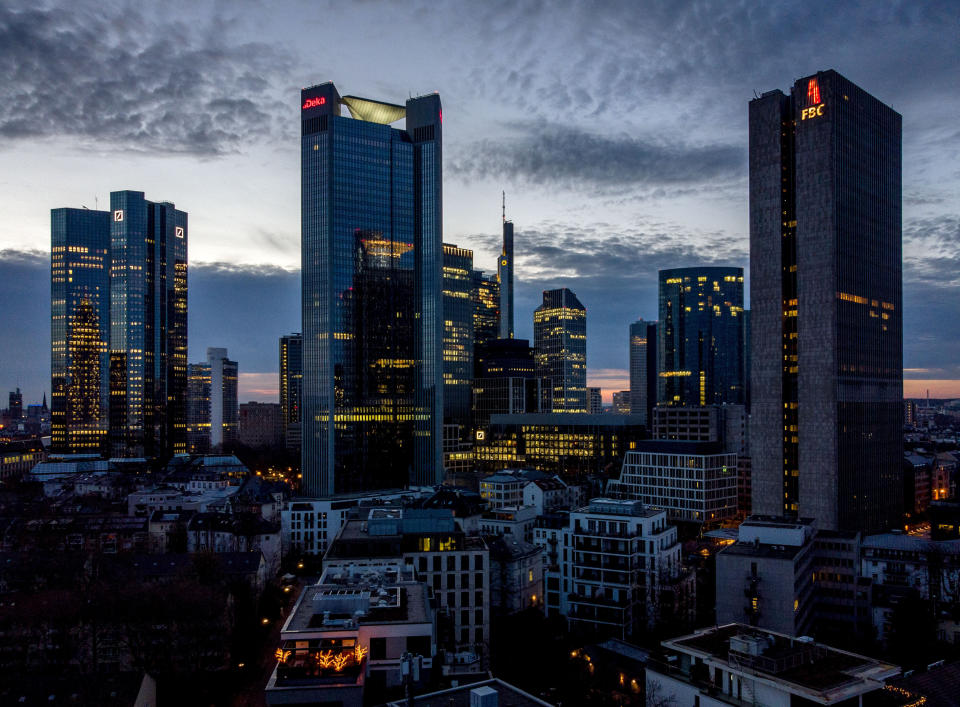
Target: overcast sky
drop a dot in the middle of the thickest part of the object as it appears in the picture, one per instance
(618, 131)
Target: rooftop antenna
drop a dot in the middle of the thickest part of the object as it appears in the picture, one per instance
(504, 206)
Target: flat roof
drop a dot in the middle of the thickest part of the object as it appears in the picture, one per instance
(807, 668)
(460, 696)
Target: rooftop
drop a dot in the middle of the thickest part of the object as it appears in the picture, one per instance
(670, 446)
(507, 694)
(617, 507)
(802, 666)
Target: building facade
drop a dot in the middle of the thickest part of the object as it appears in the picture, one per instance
(560, 340)
(826, 321)
(261, 425)
(457, 335)
(372, 292)
(486, 307)
(505, 277)
(79, 330)
(643, 368)
(700, 336)
(291, 381)
(148, 327)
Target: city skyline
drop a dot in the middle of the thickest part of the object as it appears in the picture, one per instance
(595, 231)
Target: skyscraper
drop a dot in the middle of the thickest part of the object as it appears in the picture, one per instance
(372, 213)
(594, 400)
(291, 380)
(79, 328)
(198, 408)
(148, 327)
(825, 272)
(457, 335)
(486, 308)
(15, 407)
(505, 277)
(224, 408)
(701, 336)
(643, 369)
(560, 340)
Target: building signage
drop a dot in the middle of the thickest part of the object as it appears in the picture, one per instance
(179, 231)
(814, 107)
(314, 102)
(118, 215)
(811, 112)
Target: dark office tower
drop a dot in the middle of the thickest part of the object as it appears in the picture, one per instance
(560, 340)
(504, 381)
(486, 308)
(15, 408)
(372, 256)
(505, 277)
(148, 327)
(291, 379)
(825, 272)
(224, 407)
(457, 335)
(198, 408)
(701, 336)
(79, 329)
(747, 363)
(643, 347)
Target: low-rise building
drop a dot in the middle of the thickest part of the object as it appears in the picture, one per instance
(743, 665)
(18, 457)
(765, 578)
(516, 575)
(502, 490)
(345, 637)
(512, 523)
(219, 532)
(617, 556)
(691, 481)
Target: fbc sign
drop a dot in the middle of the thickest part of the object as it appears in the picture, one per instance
(811, 112)
(314, 102)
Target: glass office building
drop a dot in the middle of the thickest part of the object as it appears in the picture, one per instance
(560, 340)
(700, 357)
(372, 293)
(291, 379)
(505, 277)
(457, 335)
(79, 329)
(148, 327)
(826, 314)
(643, 369)
(486, 308)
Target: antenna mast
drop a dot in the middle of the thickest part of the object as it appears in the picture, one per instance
(504, 206)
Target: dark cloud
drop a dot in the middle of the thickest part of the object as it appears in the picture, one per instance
(567, 156)
(931, 253)
(123, 80)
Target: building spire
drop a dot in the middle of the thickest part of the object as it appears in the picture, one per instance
(504, 206)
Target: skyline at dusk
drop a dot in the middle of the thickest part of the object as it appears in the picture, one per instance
(620, 142)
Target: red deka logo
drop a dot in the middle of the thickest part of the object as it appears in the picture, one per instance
(314, 102)
(813, 92)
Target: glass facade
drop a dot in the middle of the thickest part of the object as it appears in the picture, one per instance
(700, 356)
(291, 378)
(486, 308)
(457, 335)
(505, 277)
(79, 328)
(643, 369)
(560, 340)
(826, 326)
(148, 327)
(372, 297)
(198, 408)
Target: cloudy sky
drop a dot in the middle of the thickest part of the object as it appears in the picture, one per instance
(617, 129)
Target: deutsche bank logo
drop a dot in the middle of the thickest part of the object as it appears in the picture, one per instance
(118, 215)
(179, 231)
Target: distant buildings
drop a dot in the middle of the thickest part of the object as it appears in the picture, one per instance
(560, 342)
(621, 402)
(594, 401)
(261, 425)
(826, 317)
(700, 332)
(15, 407)
(643, 369)
(212, 410)
(372, 242)
(291, 386)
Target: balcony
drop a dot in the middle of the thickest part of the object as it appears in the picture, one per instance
(623, 603)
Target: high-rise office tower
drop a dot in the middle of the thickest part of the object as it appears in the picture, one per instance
(505, 277)
(643, 369)
(486, 308)
(825, 274)
(224, 407)
(457, 335)
(372, 251)
(560, 340)
(79, 329)
(594, 400)
(198, 408)
(700, 336)
(148, 327)
(291, 381)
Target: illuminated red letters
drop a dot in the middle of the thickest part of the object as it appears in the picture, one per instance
(314, 102)
(813, 92)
